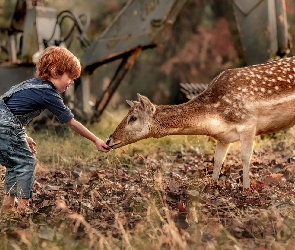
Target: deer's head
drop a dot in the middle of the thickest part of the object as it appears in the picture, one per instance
(136, 125)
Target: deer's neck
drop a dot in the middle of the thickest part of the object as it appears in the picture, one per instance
(184, 119)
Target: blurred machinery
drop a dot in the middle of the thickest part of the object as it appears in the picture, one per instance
(139, 25)
(263, 29)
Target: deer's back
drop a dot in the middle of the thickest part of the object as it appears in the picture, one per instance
(265, 92)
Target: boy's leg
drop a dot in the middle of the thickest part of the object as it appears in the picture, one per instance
(24, 164)
(9, 198)
(25, 179)
(23, 205)
(8, 203)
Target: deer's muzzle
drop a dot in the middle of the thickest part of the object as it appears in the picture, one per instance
(113, 144)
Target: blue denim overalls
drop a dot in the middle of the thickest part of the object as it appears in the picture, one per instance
(15, 153)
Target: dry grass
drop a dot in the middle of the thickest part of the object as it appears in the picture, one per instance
(212, 220)
(67, 149)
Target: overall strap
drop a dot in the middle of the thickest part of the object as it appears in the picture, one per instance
(34, 83)
(28, 84)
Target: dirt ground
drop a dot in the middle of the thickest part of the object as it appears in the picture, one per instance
(221, 214)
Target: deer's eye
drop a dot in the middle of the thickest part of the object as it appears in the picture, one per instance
(132, 119)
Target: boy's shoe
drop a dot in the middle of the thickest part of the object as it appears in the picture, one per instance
(20, 219)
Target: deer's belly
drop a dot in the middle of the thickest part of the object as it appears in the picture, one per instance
(275, 116)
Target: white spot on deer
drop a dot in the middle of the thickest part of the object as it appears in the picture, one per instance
(226, 99)
(226, 111)
(216, 105)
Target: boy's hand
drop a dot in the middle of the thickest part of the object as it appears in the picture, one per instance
(82, 130)
(32, 144)
(102, 146)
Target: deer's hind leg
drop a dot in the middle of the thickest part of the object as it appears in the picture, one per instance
(219, 156)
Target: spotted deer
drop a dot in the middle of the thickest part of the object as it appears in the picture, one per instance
(238, 105)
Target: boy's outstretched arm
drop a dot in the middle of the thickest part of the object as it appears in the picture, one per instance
(83, 131)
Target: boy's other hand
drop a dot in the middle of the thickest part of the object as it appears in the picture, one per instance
(102, 146)
(32, 144)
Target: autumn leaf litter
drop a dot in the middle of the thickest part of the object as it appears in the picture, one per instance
(179, 183)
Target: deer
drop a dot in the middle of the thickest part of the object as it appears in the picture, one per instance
(238, 105)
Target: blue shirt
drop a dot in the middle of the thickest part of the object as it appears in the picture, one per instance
(29, 100)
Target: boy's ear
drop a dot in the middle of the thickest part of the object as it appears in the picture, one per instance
(53, 73)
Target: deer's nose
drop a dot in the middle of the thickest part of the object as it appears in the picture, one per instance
(108, 141)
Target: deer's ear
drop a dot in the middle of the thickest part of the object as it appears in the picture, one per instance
(131, 103)
(146, 104)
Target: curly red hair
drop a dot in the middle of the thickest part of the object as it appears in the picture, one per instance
(55, 61)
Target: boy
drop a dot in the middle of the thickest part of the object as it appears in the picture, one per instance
(55, 72)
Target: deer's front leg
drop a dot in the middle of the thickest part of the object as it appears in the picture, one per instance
(219, 156)
(247, 141)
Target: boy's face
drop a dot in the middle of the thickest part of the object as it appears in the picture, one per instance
(62, 83)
